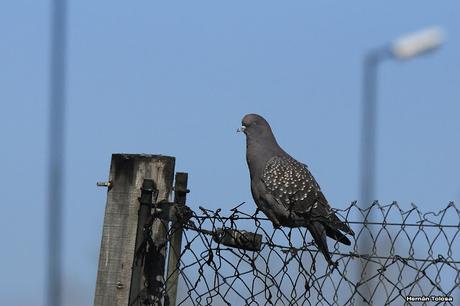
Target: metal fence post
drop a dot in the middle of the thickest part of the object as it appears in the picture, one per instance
(180, 193)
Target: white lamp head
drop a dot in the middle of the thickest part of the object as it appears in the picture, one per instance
(418, 43)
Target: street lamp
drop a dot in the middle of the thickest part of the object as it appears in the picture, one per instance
(404, 48)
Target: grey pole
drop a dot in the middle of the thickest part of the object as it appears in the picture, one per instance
(368, 148)
(369, 124)
(56, 152)
(368, 131)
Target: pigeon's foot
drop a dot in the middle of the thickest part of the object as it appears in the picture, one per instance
(333, 265)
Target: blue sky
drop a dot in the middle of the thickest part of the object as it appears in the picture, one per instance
(176, 79)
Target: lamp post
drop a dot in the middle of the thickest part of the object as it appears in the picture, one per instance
(404, 48)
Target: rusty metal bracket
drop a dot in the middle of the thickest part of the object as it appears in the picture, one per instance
(172, 212)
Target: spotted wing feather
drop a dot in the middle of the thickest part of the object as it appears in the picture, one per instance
(293, 186)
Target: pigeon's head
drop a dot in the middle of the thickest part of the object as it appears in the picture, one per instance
(255, 126)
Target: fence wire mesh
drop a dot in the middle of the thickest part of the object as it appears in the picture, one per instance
(395, 253)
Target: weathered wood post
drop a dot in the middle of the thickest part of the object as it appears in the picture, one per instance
(127, 174)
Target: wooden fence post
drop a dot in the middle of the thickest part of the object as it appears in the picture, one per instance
(127, 174)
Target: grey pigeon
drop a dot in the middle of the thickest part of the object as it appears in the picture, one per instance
(285, 190)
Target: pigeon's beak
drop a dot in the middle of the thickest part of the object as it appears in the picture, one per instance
(241, 129)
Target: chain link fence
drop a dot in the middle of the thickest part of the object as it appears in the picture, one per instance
(240, 259)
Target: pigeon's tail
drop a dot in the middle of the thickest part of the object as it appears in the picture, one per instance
(318, 231)
(336, 235)
(336, 224)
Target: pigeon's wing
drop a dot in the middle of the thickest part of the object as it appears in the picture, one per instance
(292, 185)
